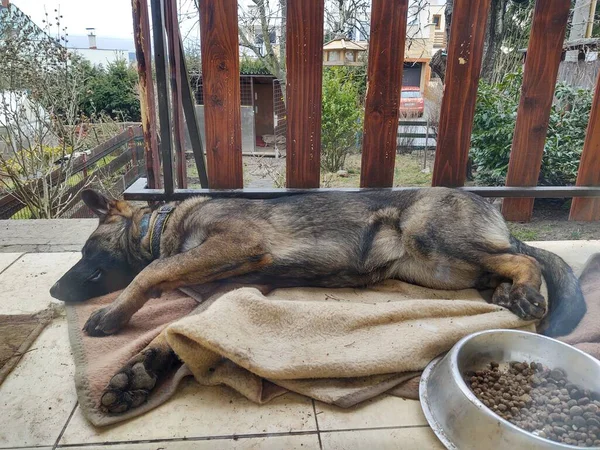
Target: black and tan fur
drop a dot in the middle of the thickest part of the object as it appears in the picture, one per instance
(436, 237)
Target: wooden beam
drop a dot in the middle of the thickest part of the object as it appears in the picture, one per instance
(465, 51)
(304, 61)
(162, 93)
(143, 55)
(139, 191)
(175, 57)
(384, 82)
(191, 119)
(221, 81)
(588, 209)
(539, 80)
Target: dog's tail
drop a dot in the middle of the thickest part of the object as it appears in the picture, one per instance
(566, 305)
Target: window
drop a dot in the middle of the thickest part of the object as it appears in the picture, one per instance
(410, 94)
(437, 21)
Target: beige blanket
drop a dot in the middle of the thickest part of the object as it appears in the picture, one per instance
(340, 346)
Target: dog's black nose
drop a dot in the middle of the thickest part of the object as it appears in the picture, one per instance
(54, 290)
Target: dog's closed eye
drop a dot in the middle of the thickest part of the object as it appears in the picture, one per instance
(95, 276)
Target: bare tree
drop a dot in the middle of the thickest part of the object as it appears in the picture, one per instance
(262, 32)
(41, 87)
(507, 30)
(344, 17)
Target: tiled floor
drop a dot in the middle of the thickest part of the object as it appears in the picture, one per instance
(38, 406)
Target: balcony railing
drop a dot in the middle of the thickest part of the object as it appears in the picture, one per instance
(222, 174)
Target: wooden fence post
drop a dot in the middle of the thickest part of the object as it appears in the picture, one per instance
(465, 51)
(221, 80)
(539, 80)
(141, 35)
(588, 209)
(382, 105)
(304, 62)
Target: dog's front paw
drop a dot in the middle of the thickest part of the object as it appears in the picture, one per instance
(103, 322)
(132, 385)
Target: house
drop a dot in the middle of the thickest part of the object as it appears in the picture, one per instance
(579, 65)
(425, 34)
(342, 52)
(262, 110)
(102, 50)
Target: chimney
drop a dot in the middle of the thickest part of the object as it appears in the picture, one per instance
(91, 37)
(5, 3)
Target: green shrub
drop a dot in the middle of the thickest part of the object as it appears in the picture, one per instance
(341, 117)
(494, 123)
(112, 91)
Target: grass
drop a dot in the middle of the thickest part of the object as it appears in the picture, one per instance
(408, 171)
(524, 234)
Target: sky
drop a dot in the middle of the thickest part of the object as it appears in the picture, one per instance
(110, 18)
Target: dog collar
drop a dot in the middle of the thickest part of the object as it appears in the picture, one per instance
(144, 224)
(156, 231)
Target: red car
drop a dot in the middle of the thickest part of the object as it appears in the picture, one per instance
(411, 102)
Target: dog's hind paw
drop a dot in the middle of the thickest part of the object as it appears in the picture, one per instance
(524, 301)
(132, 385)
(527, 302)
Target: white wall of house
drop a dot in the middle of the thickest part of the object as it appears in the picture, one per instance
(100, 56)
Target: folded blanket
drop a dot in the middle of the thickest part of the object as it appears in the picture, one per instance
(339, 346)
(586, 336)
(98, 359)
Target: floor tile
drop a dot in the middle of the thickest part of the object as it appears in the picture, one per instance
(297, 442)
(6, 259)
(200, 411)
(575, 253)
(38, 396)
(43, 235)
(421, 438)
(385, 411)
(26, 283)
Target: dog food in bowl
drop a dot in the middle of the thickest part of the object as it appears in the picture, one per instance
(539, 400)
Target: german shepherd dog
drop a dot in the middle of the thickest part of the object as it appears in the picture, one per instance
(434, 237)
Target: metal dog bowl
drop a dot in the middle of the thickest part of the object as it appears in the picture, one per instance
(456, 415)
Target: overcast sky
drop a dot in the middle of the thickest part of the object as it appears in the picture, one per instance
(110, 18)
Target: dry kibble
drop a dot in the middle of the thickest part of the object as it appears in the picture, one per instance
(576, 411)
(540, 400)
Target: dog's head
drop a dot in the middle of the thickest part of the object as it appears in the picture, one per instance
(105, 264)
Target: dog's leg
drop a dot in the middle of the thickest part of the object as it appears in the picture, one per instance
(220, 256)
(130, 387)
(523, 297)
(132, 383)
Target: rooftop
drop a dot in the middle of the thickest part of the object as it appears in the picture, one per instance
(343, 44)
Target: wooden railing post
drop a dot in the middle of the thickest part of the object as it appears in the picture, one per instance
(465, 51)
(172, 28)
(304, 62)
(539, 80)
(588, 209)
(131, 147)
(221, 80)
(384, 82)
(141, 35)
(162, 90)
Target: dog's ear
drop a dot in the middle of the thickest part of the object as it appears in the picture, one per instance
(97, 202)
(104, 207)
